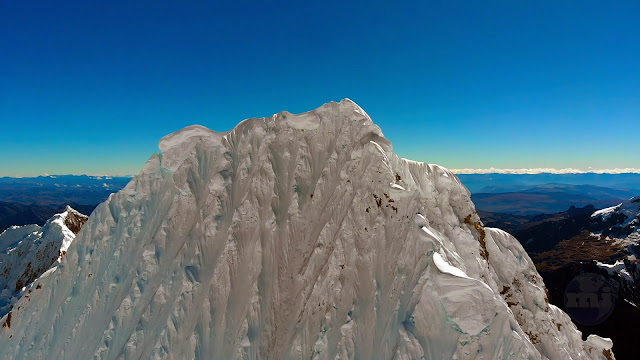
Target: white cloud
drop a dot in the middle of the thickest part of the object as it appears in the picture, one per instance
(545, 170)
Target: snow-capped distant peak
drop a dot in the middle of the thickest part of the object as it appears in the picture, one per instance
(623, 215)
(618, 268)
(605, 213)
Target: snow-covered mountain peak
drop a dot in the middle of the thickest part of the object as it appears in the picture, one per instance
(73, 219)
(629, 208)
(28, 251)
(618, 221)
(311, 120)
(177, 146)
(292, 237)
(188, 135)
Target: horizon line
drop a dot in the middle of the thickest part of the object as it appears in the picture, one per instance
(467, 171)
(535, 171)
(101, 176)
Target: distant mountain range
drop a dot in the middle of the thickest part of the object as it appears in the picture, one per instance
(34, 200)
(23, 214)
(48, 190)
(492, 183)
(548, 198)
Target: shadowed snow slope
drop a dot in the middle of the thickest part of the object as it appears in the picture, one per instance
(292, 236)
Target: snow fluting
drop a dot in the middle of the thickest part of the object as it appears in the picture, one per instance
(291, 237)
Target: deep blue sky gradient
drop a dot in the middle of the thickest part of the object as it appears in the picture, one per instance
(91, 86)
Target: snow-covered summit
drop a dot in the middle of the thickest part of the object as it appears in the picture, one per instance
(622, 215)
(26, 252)
(292, 236)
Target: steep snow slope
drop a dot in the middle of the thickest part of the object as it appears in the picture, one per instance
(292, 236)
(26, 252)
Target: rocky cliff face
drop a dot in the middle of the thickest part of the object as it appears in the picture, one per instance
(292, 236)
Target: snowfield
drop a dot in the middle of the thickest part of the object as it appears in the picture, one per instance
(627, 212)
(291, 237)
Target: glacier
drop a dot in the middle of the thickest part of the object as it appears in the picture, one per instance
(291, 237)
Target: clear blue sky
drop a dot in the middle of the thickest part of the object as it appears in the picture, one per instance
(91, 86)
